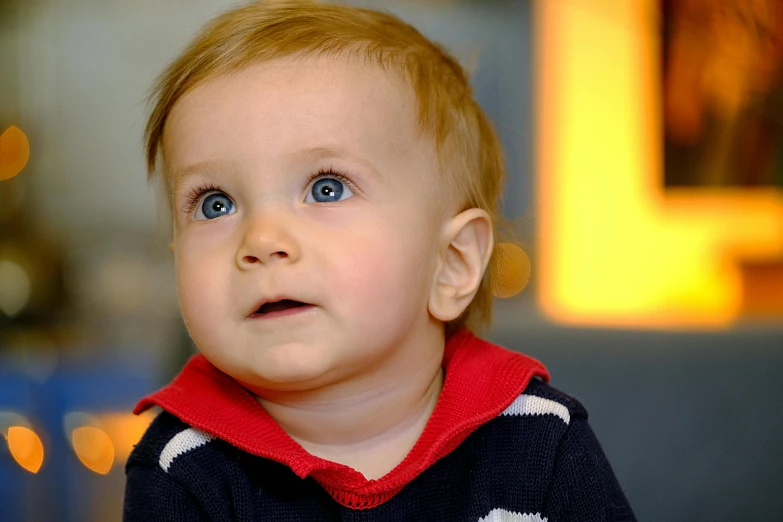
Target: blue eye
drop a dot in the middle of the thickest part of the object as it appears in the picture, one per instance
(327, 190)
(214, 206)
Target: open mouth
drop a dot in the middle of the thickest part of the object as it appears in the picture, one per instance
(279, 308)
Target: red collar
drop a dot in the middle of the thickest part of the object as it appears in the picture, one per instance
(481, 380)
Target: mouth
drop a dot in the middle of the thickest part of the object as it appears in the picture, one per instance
(280, 308)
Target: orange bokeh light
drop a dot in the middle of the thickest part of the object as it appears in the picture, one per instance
(94, 448)
(26, 448)
(101, 441)
(512, 267)
(125, 430)
(14, 152)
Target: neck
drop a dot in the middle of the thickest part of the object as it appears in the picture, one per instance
(369, 425)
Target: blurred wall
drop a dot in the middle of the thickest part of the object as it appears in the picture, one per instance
(85, 67)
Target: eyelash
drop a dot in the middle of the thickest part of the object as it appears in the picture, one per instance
(195, 195)
(198, 192)
(332, 173)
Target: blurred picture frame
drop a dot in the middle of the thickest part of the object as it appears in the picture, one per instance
(618, 245)
(722, 82)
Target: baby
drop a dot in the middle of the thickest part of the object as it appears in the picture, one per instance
(334, 190)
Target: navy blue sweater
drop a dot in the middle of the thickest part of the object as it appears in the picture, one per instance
(535, 459)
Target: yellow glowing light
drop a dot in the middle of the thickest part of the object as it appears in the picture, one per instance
(512, 267)
(614, 249)
(125, 430)
(94, 448)
(14, 152)
(26, 448)
(101, 440)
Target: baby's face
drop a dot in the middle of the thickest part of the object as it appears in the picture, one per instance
(303, 182)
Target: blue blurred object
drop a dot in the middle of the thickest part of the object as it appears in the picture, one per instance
(72, 492)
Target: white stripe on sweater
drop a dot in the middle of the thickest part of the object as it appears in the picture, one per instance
(532, 405)
(501, 515)
(180, 443)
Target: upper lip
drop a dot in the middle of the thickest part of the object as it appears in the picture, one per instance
(275, 299)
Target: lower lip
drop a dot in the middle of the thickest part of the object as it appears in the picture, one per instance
(283, 313)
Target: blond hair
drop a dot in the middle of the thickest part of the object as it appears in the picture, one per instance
(469, 151)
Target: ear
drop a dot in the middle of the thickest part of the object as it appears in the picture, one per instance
(465, 249)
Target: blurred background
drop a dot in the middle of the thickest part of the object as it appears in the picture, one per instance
(644, 143)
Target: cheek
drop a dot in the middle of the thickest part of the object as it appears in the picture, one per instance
(199, 282)
(386, 272)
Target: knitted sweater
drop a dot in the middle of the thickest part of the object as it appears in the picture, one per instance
(500, 446)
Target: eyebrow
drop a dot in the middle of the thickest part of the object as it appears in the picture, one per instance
(325, 153)
(181, 174)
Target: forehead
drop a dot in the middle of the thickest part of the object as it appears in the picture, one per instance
(275, 110)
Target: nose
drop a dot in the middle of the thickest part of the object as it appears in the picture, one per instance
(267, 239)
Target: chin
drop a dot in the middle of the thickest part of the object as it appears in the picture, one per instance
(288, 367)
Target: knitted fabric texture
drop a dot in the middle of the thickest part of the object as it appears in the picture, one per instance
(501, 445)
